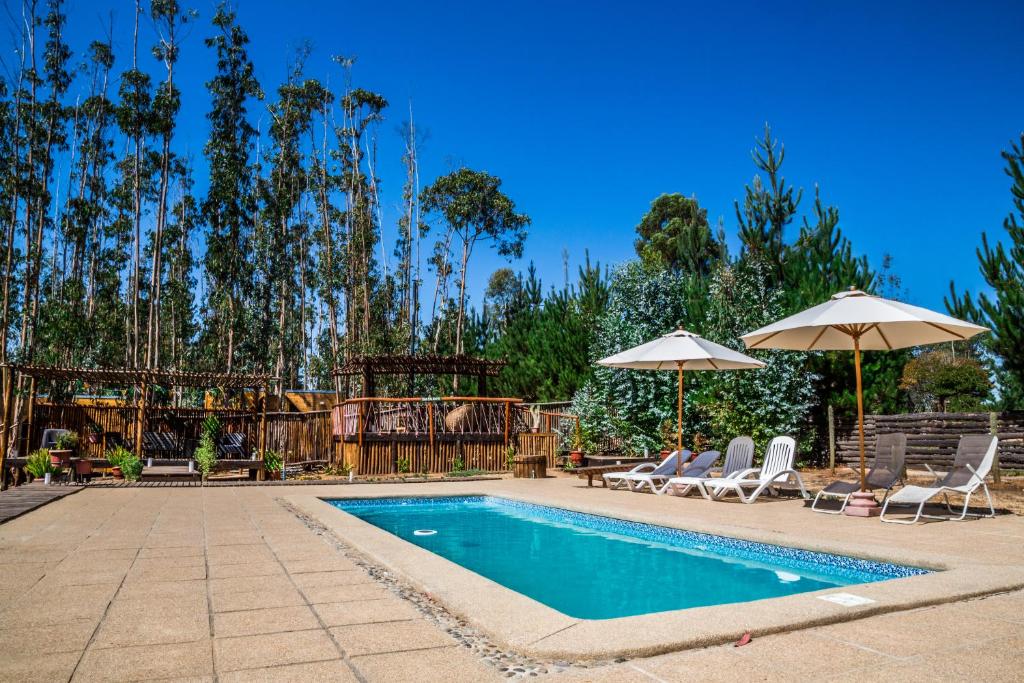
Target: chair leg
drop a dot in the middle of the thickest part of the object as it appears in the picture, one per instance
(845, 500)
(917, 517)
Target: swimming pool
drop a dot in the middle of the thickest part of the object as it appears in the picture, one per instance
(592, 567)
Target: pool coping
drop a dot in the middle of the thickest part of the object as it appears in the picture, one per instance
(516, 621)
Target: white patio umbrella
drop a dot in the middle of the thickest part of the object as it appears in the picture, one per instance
(855, 321)
(681, 350)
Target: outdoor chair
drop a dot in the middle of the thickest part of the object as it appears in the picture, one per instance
(50, 436)
(886, 472)
(776, 468)
(659, 475)
(232, 446)
(974, 458)
(739, 456)
(699, 467)
(159, 444)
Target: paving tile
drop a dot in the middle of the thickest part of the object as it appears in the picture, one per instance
(70, 636)
(238, 554)
(313, 672)
(263, 568)
(335, 578)
(160, 552)
(146, 661)
(36, 665)
(268, 596)
(321, 565)
(390, 636)
(274, 649)
(162, 589)
(146, 626)
(357, 591)
(365, 611)
(442, 664)
(259, 621)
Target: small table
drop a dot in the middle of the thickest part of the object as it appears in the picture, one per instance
(590, 472)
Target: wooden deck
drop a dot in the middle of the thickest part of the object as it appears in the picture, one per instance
(15, 502)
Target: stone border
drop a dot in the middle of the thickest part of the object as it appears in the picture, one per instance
(524, 625)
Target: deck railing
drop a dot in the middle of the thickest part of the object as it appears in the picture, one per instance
(429, 419)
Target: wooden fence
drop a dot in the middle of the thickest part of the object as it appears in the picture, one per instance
(932, 437)
(298, 437)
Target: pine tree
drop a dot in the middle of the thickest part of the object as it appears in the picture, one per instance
(1002, 266)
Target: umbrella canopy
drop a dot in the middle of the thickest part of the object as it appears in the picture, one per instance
(856, 321)
(853, 318)
(681, 350)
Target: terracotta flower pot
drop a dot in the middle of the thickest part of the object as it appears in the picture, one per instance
(93, 437)
(116, 471)
(576, 456)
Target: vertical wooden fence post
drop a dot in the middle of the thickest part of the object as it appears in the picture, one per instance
(140, 420)
(430, 422)
(993, 429)
(831, 439)
(26, 441)
(8, 390)
(508, 415)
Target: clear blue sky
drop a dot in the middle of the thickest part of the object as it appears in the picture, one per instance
(589, 110)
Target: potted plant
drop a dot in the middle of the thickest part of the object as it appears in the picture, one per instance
(124, 464)
(65, 447)
(576, 454)
(668, 438)
(206, 454)
(273, 463)
(94, 432)
(39, 465)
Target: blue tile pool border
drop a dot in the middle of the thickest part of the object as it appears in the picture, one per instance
(854, 569)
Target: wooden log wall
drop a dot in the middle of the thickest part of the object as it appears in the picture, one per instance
(932, 437)
(383, 457)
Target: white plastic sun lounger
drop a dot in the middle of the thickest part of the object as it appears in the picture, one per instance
(700, 467)
(739, 456)
(615, 480)
(654, 478)
(974, 457)
(886, 472)
(777, 468)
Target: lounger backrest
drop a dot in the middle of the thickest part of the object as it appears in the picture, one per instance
(890, 452)
(778, 456)
(976, 450)
(668, 465)
(739, 455)
(702, 464)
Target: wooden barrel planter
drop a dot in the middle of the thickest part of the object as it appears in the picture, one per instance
(529, 466)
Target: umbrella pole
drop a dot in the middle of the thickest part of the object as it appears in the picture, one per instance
(860, 410)
(679, 422)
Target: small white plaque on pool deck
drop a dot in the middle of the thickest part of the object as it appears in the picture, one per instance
(846, 599)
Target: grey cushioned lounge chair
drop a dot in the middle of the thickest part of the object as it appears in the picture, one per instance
(885, 472)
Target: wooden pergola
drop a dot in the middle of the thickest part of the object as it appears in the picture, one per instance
(141, 378)
(368, 367)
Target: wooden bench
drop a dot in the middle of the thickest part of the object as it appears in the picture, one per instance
(597, 470)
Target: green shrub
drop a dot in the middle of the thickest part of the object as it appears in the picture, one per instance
(458, 465)
(38, 463)
(211, 427)
(272, 461)
(206, 454)
(403, 466)
(130, 464)
(474, 472)
(67, 442)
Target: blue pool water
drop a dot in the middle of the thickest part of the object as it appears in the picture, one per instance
(592, 567)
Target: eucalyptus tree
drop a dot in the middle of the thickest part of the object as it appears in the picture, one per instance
(473, 206)
(135, 114)
(231, 204)
(169, 18)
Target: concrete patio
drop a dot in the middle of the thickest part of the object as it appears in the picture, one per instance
(228, 584)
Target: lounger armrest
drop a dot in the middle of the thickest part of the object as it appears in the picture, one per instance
(938, 477)
(974, 474)
(743, 474)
